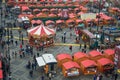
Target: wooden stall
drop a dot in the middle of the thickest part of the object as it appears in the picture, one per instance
(79, 21)
(79, 56)
(70, 69)
(88, 67)
(109, 53)
(25, 10)
(0, 64)
(41, 36)
(87, 36)
(36, 11)
(45, 10)
(50, 23)
(62, 58)
(48, 61)
(1, 74)
(100, 23)
(70, 23)
(104, 64)
(117, 56)
(95, 55)
(41, 15)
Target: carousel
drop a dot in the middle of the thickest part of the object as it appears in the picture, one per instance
(41, 35)
(70, 69)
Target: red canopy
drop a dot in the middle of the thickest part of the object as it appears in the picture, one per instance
(59, 21)
(79, 20)
(63, 56)
(0, 64)
(94, 53)
(1, 74)
(51, 15)
(104, 61)
(70, 64)
(40, 14)
(88, 63)
(109, 51)
(49, 22)
(80, 13)
(36, 10)
(38, 21)
(70, 21)
(33, 21)
(41, 31)
(25, 8)
(45, 10)
(79, 55)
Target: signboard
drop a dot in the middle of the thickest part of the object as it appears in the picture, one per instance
(88, 16)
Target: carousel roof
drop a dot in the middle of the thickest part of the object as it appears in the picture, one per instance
(105, 61)
(88, 63)
(70, 64)
(63, 56)
(109, 51)
(41, 31)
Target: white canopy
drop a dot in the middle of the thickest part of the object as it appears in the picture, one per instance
(46, 59)
(49, 58)
(40, 61)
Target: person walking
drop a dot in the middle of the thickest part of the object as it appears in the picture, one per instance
(42, 77)
(95, 77)
(31, 73)
(116, 76)
(70, 48)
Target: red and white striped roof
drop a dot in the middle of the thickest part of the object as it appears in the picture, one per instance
(41, 31)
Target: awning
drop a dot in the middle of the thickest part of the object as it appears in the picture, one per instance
(40, 61)
(70, 64)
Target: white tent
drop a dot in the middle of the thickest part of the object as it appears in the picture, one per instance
(40, 61)
(46, 59)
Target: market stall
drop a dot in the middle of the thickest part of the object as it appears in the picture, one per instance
(48, 62)
(23, 21)
(50, 23)
(109, 53)
(79, 56)
(117, 56)
(25, 10)
(0, 64)
(60, 24)
(104, 64)
(88, 37)
(99, 22)
(36, 11)
(41, 36)
(70, 69)
(1, 74)
(62, 58)
(41, 15)
(88, 67)
(70, 23)
(95, 55)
